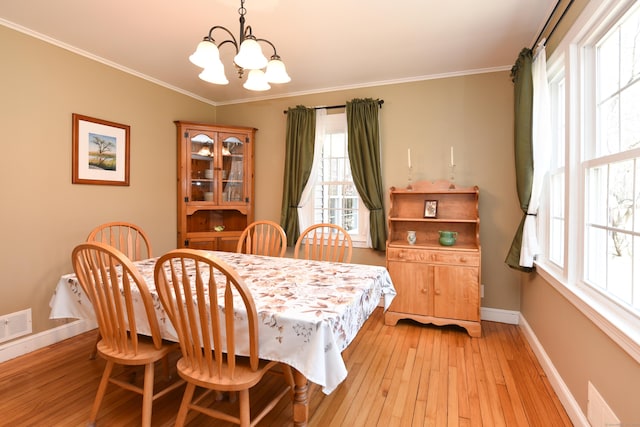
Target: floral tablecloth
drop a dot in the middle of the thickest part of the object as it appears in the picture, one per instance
(309, 311)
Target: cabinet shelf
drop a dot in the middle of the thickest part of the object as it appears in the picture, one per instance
(440, 220)
(434, 245)
(201, 157)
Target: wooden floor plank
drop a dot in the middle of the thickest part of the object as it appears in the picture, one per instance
(408, 374)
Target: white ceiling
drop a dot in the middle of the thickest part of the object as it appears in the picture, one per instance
(327, 44)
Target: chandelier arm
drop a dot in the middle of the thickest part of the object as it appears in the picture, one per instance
(233, 40)
(275, 53)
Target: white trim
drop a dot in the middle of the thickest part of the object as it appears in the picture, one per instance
(578, 418)
(37, 341)
(499, 315)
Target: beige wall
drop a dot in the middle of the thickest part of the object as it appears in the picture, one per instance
(43, 215)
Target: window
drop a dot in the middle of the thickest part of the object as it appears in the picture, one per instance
(591, 213)
(556, 172)
(610, 165)
(331, 196)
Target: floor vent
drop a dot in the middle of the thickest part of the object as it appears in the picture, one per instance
(15, 325)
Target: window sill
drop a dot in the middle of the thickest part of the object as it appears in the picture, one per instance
(621, 327)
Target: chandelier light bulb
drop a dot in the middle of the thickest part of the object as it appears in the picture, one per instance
(256, 81)
(250, 56)
(276, 71)
(206, 54)
(214, 74)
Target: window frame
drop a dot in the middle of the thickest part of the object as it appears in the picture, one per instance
(335, 124)
(571, 58)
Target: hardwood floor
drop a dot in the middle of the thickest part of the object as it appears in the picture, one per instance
(404, 375)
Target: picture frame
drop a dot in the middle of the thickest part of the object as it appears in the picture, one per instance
(430, 208)
(100, 151)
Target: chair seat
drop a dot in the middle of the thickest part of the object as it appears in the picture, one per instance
(243, 376)
(147, 352)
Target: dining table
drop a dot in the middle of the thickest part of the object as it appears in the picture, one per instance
(309, 312)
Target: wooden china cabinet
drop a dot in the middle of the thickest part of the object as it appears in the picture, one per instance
(436, 283)
(215, 184)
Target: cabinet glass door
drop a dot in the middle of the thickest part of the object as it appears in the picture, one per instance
(233, 166)
(202, 167)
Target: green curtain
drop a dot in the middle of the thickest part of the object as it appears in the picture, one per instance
(523, 147)
(301, 132)
(364, 157)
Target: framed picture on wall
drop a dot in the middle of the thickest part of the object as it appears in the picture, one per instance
(430, 208)
(100, 152)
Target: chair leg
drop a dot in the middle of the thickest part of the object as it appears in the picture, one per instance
(94, 351)
(245, 409)
(184, 406)
(147, 394)
(102, 388)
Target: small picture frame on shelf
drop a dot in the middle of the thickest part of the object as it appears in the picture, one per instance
(430, 208)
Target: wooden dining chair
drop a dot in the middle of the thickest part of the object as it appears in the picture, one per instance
(215, 316)
(111, 282)
(263, 238)
(324, 242)
(129, 239)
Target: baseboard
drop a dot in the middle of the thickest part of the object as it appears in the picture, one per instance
(33, 342)
(499, 315)
(578, 418)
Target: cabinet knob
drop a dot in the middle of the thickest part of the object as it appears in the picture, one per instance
(424, 290)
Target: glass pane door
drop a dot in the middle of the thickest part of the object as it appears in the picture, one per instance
(233, 166)
(202, 167)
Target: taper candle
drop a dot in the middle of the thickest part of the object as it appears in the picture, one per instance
(409, 157)
(452, 163)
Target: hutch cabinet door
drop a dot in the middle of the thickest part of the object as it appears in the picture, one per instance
(414, 280)
(455, 292)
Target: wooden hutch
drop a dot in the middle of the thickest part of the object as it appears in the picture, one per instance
(215, 184)
(436, 283)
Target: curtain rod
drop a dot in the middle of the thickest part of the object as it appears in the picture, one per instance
(331, 107)
(553, 12)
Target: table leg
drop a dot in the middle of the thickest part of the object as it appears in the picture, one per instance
(300, 399)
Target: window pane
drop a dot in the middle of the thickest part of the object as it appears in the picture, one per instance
(596, 257)
(636, 208)
(556, 227)
(630, 116)
(630, 48)
(620, 266)
(608, 66)
(596, 206)
(555, 246)
(609, 128)
(621, 195)
(635, 290)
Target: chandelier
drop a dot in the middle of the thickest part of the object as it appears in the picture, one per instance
(249, 57)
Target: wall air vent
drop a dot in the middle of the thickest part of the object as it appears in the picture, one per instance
(15, 325)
